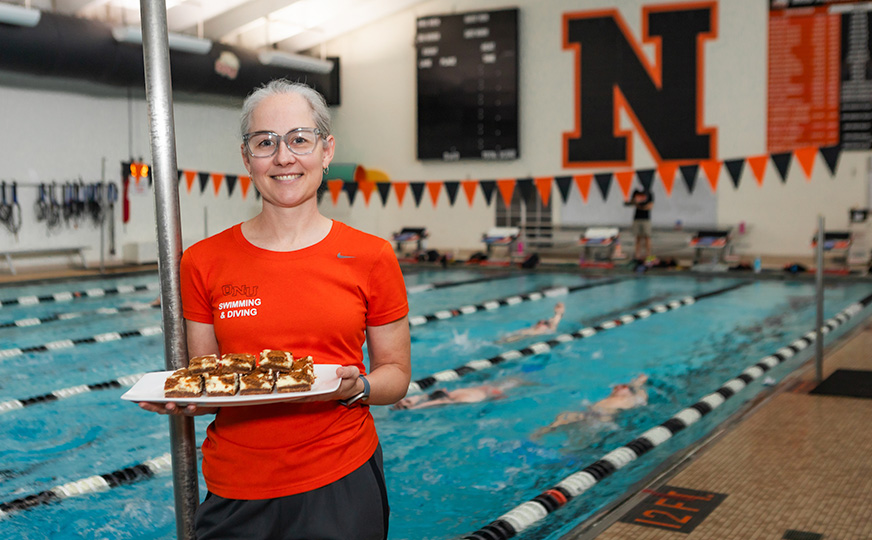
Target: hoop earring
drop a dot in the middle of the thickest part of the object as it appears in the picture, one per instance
(326, 169)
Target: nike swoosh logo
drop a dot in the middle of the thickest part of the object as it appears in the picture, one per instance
(341, 256)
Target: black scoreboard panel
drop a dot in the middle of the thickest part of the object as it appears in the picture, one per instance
(468, 86)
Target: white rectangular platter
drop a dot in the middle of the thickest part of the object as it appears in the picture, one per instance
(151, 388)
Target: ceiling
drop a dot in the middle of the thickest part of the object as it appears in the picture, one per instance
(288, 25)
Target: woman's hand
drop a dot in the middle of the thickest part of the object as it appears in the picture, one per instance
(176, 410)
(348, 386)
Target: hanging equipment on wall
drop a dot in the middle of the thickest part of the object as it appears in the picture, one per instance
(111, 197)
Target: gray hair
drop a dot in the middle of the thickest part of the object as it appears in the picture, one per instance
(276, 87)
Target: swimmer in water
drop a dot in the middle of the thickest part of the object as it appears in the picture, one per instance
(472, 394)
(545, 326)
(622, 397)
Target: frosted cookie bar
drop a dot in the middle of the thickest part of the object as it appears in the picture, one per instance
(238, 363)
(183, 383)
(203, 364)
(276, 360)
(259, 381)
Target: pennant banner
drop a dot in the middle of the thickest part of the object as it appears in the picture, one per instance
(527, 187)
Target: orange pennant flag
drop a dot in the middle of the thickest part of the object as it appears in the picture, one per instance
(469, 188)
(758, 165)
(805, 157)
(244, 183)
(712, 170)
(335, 187)
(435, 188)
(583, 182)
(507, 189)
(667, 175)
(400, 190)
(189, 179)
(366, 187)
(543, 185)
(217, 178)
(625, 180)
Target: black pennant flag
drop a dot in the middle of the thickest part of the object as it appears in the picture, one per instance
(603, 182)
(782, 163)
(646, 178)
(384, 189)
(204, 181)
(734, 167)
(525, 187)
(563, 184)
(417, 191)
(688, 173)
(231, 182)
(351, 189)
(487, 188)
(451, 188)
(831, 156)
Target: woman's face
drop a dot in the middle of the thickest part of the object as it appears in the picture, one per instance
(285, 179)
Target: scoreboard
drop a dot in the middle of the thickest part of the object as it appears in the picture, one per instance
(467, 76)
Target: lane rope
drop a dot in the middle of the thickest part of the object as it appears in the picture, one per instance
(525, 515)
(67, 296)
(92, 484)
(67, 343)
(33, 321)
(444, 284)
(120, 382)
(543, 347)
(442, 315)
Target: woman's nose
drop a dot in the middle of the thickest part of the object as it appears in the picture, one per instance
(283, 154)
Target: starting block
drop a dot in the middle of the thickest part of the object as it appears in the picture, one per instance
(501, 236)
(717, 241)
(599, 243)
(411, 234)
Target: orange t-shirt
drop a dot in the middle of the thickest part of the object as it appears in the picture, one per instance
(314, 301)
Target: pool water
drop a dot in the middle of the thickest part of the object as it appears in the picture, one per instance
(450, 470)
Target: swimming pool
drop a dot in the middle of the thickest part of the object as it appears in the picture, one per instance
(450, 470)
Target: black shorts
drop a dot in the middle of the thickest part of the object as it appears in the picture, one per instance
(354, 507)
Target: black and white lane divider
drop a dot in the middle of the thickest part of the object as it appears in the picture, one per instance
(92, 484)
(444, 284)
(532, 511)
(120, 382)
(418, 320)
(67, 296)
(34, 321)
(67, 343)
(543, 347)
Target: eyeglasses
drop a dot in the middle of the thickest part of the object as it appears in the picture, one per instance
(263, 144)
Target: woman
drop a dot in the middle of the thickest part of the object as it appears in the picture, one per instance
(310, 468)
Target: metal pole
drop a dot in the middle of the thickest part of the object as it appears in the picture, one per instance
(819, 288)
(158, 88)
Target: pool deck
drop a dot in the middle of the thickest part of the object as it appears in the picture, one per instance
(796, 467)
